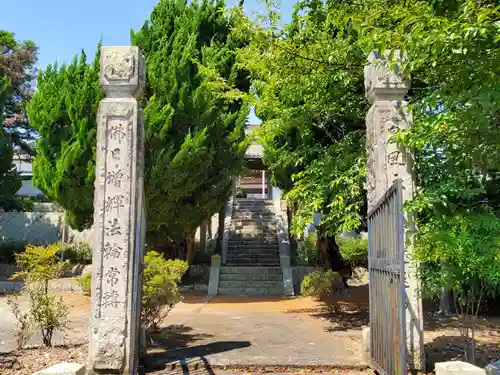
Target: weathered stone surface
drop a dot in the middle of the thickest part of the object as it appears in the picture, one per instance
(9, 362)
(118, 216)
(366, 344)
(87, 270)
(63, 368)
(387, 161)
(458, 368)
(213, 284)
(493, 368)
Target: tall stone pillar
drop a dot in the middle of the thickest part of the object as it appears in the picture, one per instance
(387, 161)
(118, 216)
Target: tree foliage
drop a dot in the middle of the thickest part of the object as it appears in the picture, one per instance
(17, 67)
(195, 141)
(308, 80)
(16, 61)
(310, 96)
(63, 112)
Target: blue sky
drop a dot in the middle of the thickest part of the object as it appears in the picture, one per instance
(61, 29)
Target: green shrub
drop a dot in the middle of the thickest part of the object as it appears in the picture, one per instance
(24, 324)
(354, 250)
(307, 251)
(160, 291)
(160, 288)
(319, 283)
(47, 313)
(85, 283)
(77, 253)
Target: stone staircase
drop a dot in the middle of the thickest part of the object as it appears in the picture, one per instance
(252, 264)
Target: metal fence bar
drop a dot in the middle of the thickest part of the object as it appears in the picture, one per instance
(387, 288)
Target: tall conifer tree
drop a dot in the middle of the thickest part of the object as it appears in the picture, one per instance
(195, 140)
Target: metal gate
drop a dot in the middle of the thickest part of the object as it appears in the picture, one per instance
(387, 283)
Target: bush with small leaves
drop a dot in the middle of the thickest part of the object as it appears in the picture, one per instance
(77, 253)
(160, 288)
(307, 251)
(355, 250)
(47, 313)
(319, 283)
(85, 283)
(24, 323)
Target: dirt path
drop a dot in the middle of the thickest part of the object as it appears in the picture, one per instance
(264, 331)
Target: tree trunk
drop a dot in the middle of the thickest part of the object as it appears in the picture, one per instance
(329, 250)
(190, 250)
(444, 299)
(331, 255)
(220, 230)
(290, 212)
(203, 235)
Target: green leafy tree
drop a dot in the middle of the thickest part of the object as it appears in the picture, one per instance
(17, 61)
(308, 78)
(469, 246)
(10, 181)
(63, 112)
(17, 67)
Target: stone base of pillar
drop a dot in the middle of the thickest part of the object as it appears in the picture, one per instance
(63, 368)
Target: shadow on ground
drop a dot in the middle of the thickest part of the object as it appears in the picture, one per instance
(347, 311)
(173, 344)
(451, 348)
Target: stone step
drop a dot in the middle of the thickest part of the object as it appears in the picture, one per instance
(252, 246)
(253, 259)
(250, 277)
(253, 221)
(252, 264)
(252, 291)
(257, 245)
(254, 201)
(253, 252)
(234, 237)
(254, 226)
(255, 232)
(245, 270)
(248, 259)
(264, 246)
(252, 284)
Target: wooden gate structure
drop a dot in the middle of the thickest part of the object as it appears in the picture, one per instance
(387, 283)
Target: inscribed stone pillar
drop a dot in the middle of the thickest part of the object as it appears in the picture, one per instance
(118, 216)
(387, 161)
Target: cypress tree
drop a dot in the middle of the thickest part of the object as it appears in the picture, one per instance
(63, 112)
(195, 139)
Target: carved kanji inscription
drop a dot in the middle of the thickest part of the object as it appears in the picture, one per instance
(113, 228)
(111, 250)
(110, 299)
(114, 203)
(112, 275)
(117, 132)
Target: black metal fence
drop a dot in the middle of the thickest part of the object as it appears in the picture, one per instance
(387, 287)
